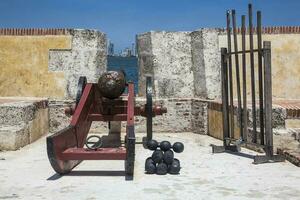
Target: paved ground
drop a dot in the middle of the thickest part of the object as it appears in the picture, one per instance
(27, 174)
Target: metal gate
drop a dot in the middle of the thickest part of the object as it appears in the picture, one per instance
(261, 136)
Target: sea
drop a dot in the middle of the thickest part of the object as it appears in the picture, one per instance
(128, 64)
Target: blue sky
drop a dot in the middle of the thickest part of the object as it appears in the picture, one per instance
(121, 20)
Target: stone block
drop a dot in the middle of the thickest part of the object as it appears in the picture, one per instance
(22, 121)
(14, 137)
(292, 123)
(16, 112)
(199, 112)
(39, 126)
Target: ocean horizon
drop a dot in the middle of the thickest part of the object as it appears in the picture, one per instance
(128, 64)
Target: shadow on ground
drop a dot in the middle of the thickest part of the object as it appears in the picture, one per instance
(87, 173)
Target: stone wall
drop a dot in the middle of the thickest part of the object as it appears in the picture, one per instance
(187, 64)
(184, 115)
(206, 63)
(285, 47)
(24, 65)
(86, 58)
(22, 121)
(48, 62)
(183, 65)
(166, 56)
(145, 60)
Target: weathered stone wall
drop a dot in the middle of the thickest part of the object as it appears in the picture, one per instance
(184, 115)
(86, 58)
(145, 60)
(183, 65)
(43, 63)
(206, 63)
(24, 65)
(285, 49)
(48, 62)
(22, 121)
(166, 56)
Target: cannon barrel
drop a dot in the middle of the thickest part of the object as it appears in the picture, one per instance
(112, 84)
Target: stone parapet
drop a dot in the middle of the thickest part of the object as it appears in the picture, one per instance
(22, 121)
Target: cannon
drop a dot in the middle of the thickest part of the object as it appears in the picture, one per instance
(103, 101)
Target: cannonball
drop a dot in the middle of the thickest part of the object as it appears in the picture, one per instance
(168, 157)
(112, 84)
(178, 147)
(174, 168)
(152, 145)
(150, 166)
(162, 169)
(149, 160)
(157, 156)
(165, 146)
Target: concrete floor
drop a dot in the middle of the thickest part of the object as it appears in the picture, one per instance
(27, 174)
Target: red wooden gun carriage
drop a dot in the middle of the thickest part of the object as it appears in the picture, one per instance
(106, 102)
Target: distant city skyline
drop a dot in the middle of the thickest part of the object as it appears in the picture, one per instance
(122, 20)
(126, 52)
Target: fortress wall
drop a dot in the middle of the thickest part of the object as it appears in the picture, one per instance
(184, 115)
(171, 59)
(206, 63)
(166, 56)
(185, 67)
(24, 65)
(48, 62)
(145, 61)
(187, 64)
(183, 64)
(285, 47)
(87, 57)
(194, 67)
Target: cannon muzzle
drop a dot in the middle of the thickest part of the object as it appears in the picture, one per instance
(112, 84)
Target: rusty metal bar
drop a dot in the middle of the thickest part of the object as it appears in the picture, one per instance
(237, 72)
(254, 136)
(224, 77)
(268, 97)
(260, 80)
(230, 75)
(244, 71)
(241, 52)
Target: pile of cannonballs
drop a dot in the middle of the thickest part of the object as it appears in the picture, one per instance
(162, 160)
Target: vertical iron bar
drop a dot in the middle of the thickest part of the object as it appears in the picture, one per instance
(268, 97)
(260, 80)
(245, 110)
(237, 72)
(230, 76)
(224, 77)
(149, 107)
(254, 136)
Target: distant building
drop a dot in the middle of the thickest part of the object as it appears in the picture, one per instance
(126, 52)
(110, 48)
(133, 49)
